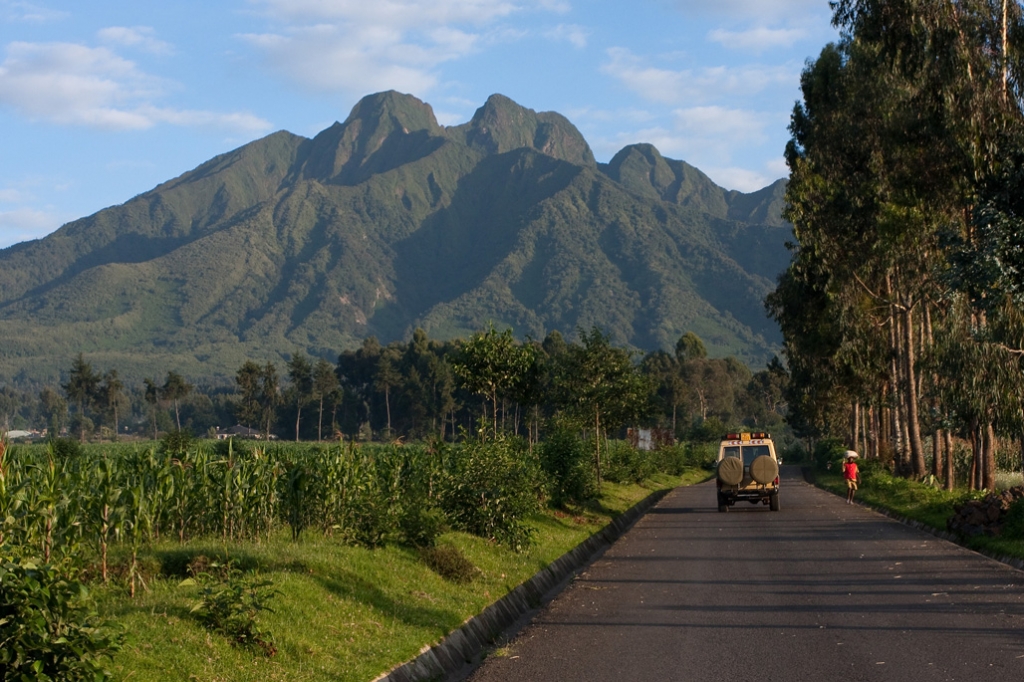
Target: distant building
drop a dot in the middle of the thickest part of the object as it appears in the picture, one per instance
(239, 431)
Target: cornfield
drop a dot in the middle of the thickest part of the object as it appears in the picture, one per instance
(75, 508)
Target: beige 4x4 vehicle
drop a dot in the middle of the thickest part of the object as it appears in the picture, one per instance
(747, 469)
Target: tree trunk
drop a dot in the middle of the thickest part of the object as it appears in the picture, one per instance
(937, 454)
(894, 390)
(988, 477)
(854, 425)
(320, 422)
(597, 444)
(950, 483)
(913, 421)
(975, 453)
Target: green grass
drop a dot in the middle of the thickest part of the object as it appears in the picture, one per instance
(343, 613)
(919, 502)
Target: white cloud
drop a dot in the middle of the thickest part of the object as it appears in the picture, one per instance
(11, 196)
(30, 13)
(141, 37)
(757, 39)
(357, 46)
(573, 34)
(395, 13)
(667, 86)
(23, 224)
(72, 84)
(708, 137)
(715, 122)
(772, 10)
(777, 167)
(742, 179)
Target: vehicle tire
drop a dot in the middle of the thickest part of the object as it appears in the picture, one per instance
(764, 469)
(730, 471)
(773, 502)
(723, 503)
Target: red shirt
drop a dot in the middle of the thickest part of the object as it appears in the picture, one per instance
(850, 471)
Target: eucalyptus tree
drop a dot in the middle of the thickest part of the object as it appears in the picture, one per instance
(152, 397)
(300, 373)
(175, 389)
(247, 379)
(387, 377)
(112, 395)
(81, 389)
(325, 385)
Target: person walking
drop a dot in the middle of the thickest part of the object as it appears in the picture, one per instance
(852, 475)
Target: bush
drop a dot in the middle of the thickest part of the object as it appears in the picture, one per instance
(625, 464)
(64, 449)
(491, 489)
(422, 525)
(177, 443)
(229, 605)
(829, 450)
(449, 563)
(1013, 524)
(566, 461)
(47, 629)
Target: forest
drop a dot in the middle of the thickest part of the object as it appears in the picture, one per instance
(420, 389)
(901, 310)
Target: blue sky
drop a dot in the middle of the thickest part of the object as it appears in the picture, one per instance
(105, 99)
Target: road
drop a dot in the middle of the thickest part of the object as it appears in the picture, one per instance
(821, 590)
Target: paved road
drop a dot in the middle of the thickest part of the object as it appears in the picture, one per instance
(821, 590)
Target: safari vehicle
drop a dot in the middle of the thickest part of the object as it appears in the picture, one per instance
(748, 470)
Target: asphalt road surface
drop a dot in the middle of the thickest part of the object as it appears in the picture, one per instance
(819, 591)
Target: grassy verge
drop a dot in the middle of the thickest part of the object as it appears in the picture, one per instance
(344, 613)
(919, 502)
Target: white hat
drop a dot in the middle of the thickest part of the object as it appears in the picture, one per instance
(851, 453)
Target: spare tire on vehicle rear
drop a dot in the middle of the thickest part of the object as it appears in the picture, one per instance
(764, 469)
(730, 471)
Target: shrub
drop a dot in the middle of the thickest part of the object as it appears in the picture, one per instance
(64, 449)
(565, 459)
(1013, 524)
(626, 464)
(421, 525)
(47, 629)
(491, 489)
(177, 443)
(828, 450)
(229, 605)
(449, 563)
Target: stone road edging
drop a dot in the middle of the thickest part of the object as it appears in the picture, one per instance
(463, 647)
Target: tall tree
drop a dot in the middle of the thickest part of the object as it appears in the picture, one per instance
(152, 398)
(247, 379)
(300, 373)
(81, 389)
(112, 392)
(325, 384)
(269, 397)
(175, 389)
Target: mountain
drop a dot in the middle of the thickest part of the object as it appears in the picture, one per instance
(386, 222)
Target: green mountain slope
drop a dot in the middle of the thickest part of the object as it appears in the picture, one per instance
(386, 222)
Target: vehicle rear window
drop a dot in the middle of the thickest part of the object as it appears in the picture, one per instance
(731, 451)
(752, 452)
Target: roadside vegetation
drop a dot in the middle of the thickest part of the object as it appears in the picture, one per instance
(290, 561)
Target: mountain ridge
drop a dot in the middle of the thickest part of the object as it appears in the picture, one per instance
(386, 222)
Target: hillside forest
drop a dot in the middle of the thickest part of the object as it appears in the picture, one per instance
(901, 310)
(423, 388)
